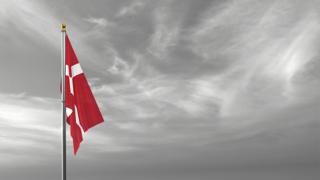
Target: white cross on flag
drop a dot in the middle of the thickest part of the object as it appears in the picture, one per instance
(81, 108)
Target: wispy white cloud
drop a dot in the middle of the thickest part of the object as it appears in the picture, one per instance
(165, 34)
(119, 66)
(131, 9)
(100, 22)
(32, 126)
(32, 18)
(35, 20)
(264, 53)
(28, 124)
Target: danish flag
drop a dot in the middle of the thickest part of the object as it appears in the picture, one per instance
(82, 110)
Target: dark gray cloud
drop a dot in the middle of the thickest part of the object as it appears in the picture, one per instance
(189, 89)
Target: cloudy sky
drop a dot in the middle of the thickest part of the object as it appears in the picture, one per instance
(189, 89)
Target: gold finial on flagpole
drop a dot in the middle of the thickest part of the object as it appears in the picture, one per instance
(63, 27)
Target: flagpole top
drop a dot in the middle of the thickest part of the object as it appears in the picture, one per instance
(63, 27)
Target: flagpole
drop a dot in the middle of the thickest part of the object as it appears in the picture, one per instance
(63, 97)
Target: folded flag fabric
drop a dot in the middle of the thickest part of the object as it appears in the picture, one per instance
(82, 110)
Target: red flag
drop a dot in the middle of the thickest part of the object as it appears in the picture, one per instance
(81, 108)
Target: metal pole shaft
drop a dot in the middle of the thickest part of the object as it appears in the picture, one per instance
(63, 97)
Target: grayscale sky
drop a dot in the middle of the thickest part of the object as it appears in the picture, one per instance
(189, 89)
